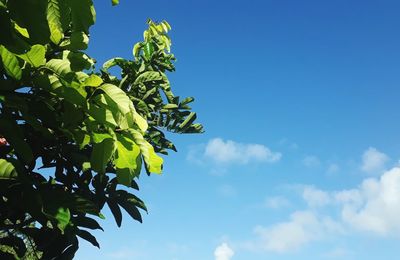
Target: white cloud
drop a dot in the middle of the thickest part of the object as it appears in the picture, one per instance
(315, 197)
(375, 205)
(223, 252)
(311, 161)
(373, 160)
(276, 202)
(289, 144)
(337, 253)
(226, 190)
(333, 168)
(221, 151)
(302, 228)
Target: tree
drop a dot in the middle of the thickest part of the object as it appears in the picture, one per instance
(72, 136)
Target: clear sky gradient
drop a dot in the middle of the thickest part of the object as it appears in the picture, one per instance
(300, 102)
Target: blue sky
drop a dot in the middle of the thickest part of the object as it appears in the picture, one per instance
(300, 102)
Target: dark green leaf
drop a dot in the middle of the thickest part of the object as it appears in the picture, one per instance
(130, 208)
(14, 242)
(15, 137)
(88, 237)
(86, 222)
(83, 15)
(31, 15)
(101, 154)
(115, 210)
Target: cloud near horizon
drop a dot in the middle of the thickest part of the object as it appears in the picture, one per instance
(223, 252)
(372, 207)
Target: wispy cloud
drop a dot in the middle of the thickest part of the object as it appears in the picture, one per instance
(315, 197)
(373, 206)
(276, 202)
(221, 151)
(337, 253)
(226, 190)
(223, 252)
(302, 228)
(288, 144)
(373, 160)
(311, 161)
(333, 168)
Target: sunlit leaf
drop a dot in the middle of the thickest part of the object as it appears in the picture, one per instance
(54, 20)
(35, 56)
(127, 160)
(152, 160)
(10, 63)
(7, 170)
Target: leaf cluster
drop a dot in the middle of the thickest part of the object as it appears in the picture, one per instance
(75, 139)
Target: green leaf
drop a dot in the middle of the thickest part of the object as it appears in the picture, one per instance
(127, 160)
(88, 237)
(153, 162)
(102, 115)
(100, 137)
(170, 106)
(79, 41)
(31, 15)
(59, 66)
(35, 56)
(115, 210)
(72, 92)
(130, 208)
(132, 199)
(148, 76)
(83, 15)
(187, 101)
(112, 62)
(115, 2)
(140, 122)
(188, 121)
(83, 205)
(93, 81)
(118, 97)
(54, 20)
(101, 154)
(23, 31)
(16, 243)
(78, 60)
(61, 214)
(10, 63)
(12, 132)
(86, 222)
(7, 170)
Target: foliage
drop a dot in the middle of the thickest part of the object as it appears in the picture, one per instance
(71, 137)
